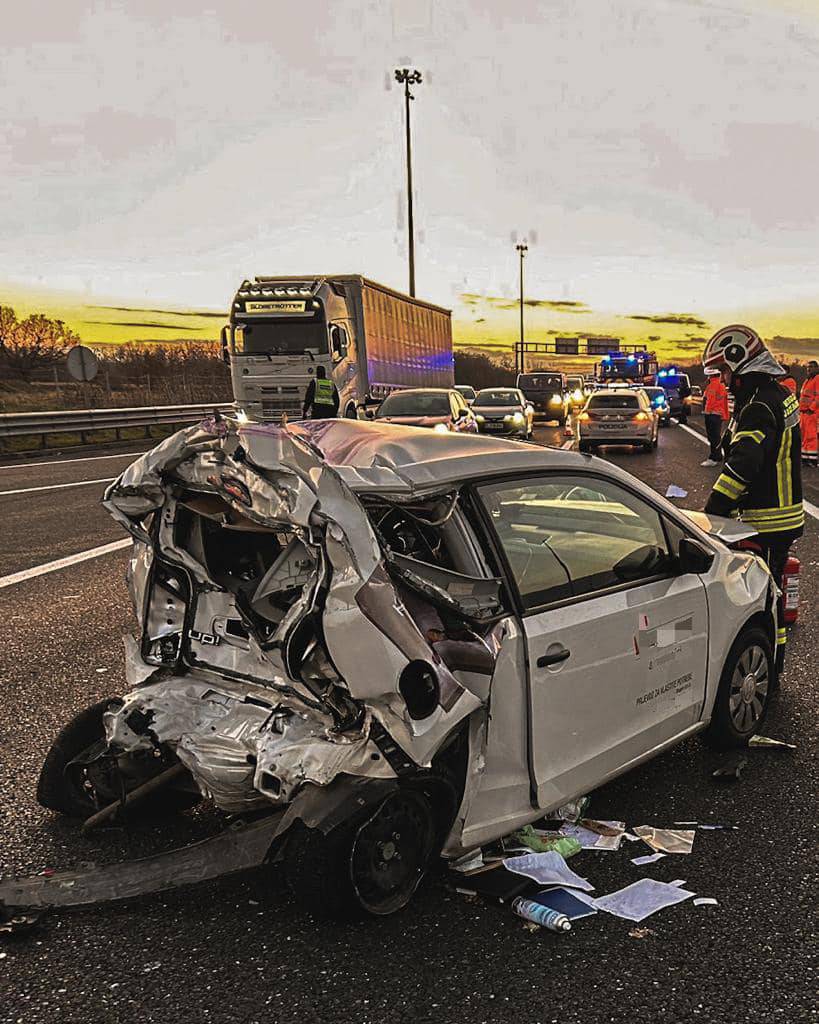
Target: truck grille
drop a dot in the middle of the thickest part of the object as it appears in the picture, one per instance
(275, 402)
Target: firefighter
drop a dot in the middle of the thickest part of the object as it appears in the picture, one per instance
(761, 481)
(809, 413)
(321, 397)
(715, 414)
(788, 381)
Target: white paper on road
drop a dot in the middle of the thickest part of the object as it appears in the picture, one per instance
(648, 859)
(666, 840)
(766, 741)
(705, 901)
(548, 869)
(642, 899)
(673, 491)
(591, 840)
(678, 881)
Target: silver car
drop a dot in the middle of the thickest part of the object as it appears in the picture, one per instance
(618, 416)
(379, 644)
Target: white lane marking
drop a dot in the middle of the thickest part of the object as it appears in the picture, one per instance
(567, 444)
(63, 563)
(59, 487)
(65, 462)
(808, 506)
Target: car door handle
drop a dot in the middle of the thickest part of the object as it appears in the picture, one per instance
(554, 658)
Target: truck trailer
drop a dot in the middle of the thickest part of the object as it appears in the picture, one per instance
(370, 339)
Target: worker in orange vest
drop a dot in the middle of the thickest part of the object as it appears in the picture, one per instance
(788, 381)
(715, 414)
(809, 413)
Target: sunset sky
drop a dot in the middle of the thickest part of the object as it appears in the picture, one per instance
(661, 155)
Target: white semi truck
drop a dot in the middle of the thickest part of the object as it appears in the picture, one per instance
(370, 339)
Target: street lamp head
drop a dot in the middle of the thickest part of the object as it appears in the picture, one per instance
(408, 76)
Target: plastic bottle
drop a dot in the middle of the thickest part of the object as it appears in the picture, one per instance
(546, 918)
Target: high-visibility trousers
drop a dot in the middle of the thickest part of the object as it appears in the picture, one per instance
(808, 428)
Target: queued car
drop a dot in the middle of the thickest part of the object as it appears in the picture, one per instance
(327, 611)
(503, 411)
(576, 391)
(441, 409)
(659, 403)
(677, 387)
(618, 416)
(467, 392)
(545, 391)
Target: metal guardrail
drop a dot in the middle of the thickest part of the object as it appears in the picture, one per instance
(83, 421)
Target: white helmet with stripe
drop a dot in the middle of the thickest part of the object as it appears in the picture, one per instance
(741, 350)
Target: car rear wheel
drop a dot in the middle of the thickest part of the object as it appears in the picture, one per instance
(744, 690)
(373, 866)
(77, 790)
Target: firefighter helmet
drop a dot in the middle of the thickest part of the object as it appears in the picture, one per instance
(742, 350)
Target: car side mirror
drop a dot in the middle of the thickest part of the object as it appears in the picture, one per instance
(694, 557)
(224, 343)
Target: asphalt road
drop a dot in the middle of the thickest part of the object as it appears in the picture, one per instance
(238, 950)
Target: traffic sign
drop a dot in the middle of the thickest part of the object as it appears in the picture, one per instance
(81, 363)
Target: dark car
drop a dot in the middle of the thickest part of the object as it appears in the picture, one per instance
(546, 393)
(677, 387)
(503, 411)
(441, 409)
(659, 402)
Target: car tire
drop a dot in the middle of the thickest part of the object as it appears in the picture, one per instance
(740, 705)
(351, 412)
(370, 866)
(57, 791)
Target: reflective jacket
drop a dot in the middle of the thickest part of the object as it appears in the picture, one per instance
(789, 383)
(716, 399)
(324, 391)
(761, 482)
(809, 399)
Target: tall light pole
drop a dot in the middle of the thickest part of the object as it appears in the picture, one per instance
(409, 76)
(522, 249)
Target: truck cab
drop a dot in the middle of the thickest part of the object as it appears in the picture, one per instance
(545, 391)
(281, 330)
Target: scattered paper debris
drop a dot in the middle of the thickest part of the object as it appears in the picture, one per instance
(648, 859)
(590, 838)
(673, 491)
(766, 741)
(547, 869)
(641, 933)
(705, 901)
(719, 828)
(666, 840)
(678, 881)
(641, 899)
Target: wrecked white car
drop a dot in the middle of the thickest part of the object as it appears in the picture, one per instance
(395, 644)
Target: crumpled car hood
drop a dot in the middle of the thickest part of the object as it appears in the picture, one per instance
(255, 712)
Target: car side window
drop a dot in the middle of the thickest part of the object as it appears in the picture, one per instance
(569, 536)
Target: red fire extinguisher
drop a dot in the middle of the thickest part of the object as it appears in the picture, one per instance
(790, 589)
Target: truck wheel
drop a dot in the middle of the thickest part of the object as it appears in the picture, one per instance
(373, 866)
(62, 790)
(744, 690)
(351, 413)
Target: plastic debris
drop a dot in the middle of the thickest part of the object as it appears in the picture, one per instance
(730, 772)
(543, 842)
(666, 840)
(673, 491)
(565, 902)
(641, 933)
(641, 899)
(547, 869)
(469, 861)
(705, 901)
(538, 914)
(648, 859)
(678, 881)
(766, 741)
(719, 828)
(572, 810)
(595, 835)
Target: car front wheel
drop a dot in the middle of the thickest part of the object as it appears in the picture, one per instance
(744, 690)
